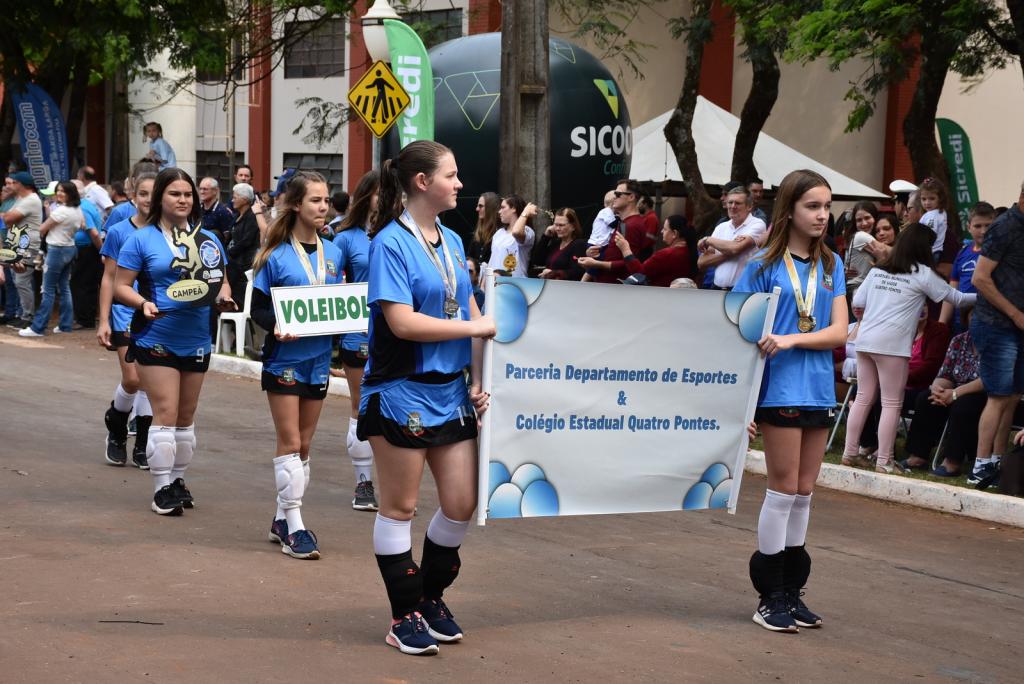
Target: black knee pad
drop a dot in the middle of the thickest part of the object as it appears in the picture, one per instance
(440, 568)
(403, 581)
(766, 572)
(116, 422)
(797, 567)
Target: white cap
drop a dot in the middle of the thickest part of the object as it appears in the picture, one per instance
(901, 186)
(50, 189)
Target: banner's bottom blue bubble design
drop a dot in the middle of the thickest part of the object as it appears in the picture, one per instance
(711, 491)
(523, 494)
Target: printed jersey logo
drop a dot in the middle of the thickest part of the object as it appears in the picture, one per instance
(610, 93)
(158, 350)
(209, 254)
(332, 270)
(826, 280)
(364, 351)
(415, 424)
(287, 377)
(510, 263)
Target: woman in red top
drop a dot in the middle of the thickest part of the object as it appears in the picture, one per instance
(673, 261)
(561, 246)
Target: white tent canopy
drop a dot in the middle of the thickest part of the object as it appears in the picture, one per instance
(714, 132)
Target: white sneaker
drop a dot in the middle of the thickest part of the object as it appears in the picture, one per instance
(57, 330)
(28, 332)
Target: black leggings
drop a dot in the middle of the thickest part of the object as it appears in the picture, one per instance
(961, 440)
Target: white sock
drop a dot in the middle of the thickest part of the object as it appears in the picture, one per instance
(160, 452)
(799, 515)
(391, 536)
(122, 400)
(142, 406)
(444, 531)
(772, 523)
(305, 471)
(186, 439)
(290, 477)
(996, 458)
(360, 452)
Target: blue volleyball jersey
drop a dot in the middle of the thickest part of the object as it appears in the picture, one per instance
(401, 272)
(120, 315)
(184, 329)
(120, 212)
(801, 378)
(354, 246)
(307, 359)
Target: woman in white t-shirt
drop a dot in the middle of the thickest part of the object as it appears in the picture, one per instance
(513, 242)
(59, 231)
(892, 296)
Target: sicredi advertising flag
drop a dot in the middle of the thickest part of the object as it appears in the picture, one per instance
(410, 63)
(956, 148)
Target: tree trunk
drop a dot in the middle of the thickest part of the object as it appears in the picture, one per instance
(1017, 17)
(679, 130)
(6, 130)
(919, 124)
(764, 91)
(76, 105)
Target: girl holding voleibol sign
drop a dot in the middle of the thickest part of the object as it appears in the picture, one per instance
(296, 370)
(180, 271)
(798, 396)
(415, 407)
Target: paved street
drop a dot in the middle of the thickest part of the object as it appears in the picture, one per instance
(99, 589)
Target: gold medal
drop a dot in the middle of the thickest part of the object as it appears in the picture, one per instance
(806, 324)
(804, 304)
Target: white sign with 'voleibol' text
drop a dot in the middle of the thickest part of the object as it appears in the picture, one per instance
(309, 310)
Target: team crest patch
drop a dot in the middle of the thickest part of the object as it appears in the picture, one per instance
(158, 350)
(331, 268)
(415, 424)
(789, 412)
(364, 351)
(826, 280)
(458, 258)
(287, 377)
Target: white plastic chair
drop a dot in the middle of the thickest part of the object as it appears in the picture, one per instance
(239, 319)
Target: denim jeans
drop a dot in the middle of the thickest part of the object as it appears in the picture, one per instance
(12, 301)
(1002, 357)
(56, 280)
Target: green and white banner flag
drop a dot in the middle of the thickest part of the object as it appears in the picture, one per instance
(410, 63)
(956, 148)
(308, 310)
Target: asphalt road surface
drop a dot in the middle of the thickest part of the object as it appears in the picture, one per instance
(96, 588)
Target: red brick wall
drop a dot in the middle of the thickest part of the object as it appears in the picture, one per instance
(896, 162)
(716, 69)
(484, 16)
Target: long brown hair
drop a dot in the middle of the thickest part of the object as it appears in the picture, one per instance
(361, 209)
(396, 174)
(912, 249)
(163, 180)
(488, 224)
(281, 228)
(792, 188)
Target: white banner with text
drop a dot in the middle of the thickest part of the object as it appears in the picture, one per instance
(309, 310)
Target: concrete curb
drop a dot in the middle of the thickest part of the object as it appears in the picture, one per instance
(247, 368)
(997, 508)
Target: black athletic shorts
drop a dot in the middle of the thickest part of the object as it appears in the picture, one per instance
(411, 399)
(119, 339)
(158, 356)
(279, 385)
(793, 417)
(353, 359)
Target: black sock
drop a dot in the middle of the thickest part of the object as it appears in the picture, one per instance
(767, 573)
(403, 581)
(797, 568)
(440, 568)
(142, 424)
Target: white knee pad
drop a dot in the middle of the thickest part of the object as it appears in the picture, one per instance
(291, 481)
(361, 453)
(160, 452)
(305, 472)
(185, 437)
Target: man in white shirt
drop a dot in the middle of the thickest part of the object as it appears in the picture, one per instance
(734, 241)
(93, 191)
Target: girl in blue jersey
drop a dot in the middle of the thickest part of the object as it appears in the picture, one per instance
(354, 246)
(798, 396)
(416, 406)
(112, 333)
(296, 370)
(169, 337)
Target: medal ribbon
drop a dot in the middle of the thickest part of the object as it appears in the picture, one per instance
(804, 305)
(321, 270)
(447, 274)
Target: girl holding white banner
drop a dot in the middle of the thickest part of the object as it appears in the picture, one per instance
(798, 395)
(416, 409)
(354, 247)
(296, 370)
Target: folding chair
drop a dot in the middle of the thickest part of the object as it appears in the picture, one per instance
(238, 319)
(852, 382)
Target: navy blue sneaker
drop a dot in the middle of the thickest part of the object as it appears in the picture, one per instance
(440, 621)
(983, 472)
(278, 531)
(411, 635)
(773, 614)
(802, 615)
(301, 544)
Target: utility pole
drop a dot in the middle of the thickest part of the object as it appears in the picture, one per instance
(525, 149)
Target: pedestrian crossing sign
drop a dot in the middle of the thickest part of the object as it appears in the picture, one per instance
(378, 98)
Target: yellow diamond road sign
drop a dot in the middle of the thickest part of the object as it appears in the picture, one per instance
(378, 98)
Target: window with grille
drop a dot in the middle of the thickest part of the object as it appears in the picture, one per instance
(214, 163)
(330, 166)
(435, 26)
(315, 53)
